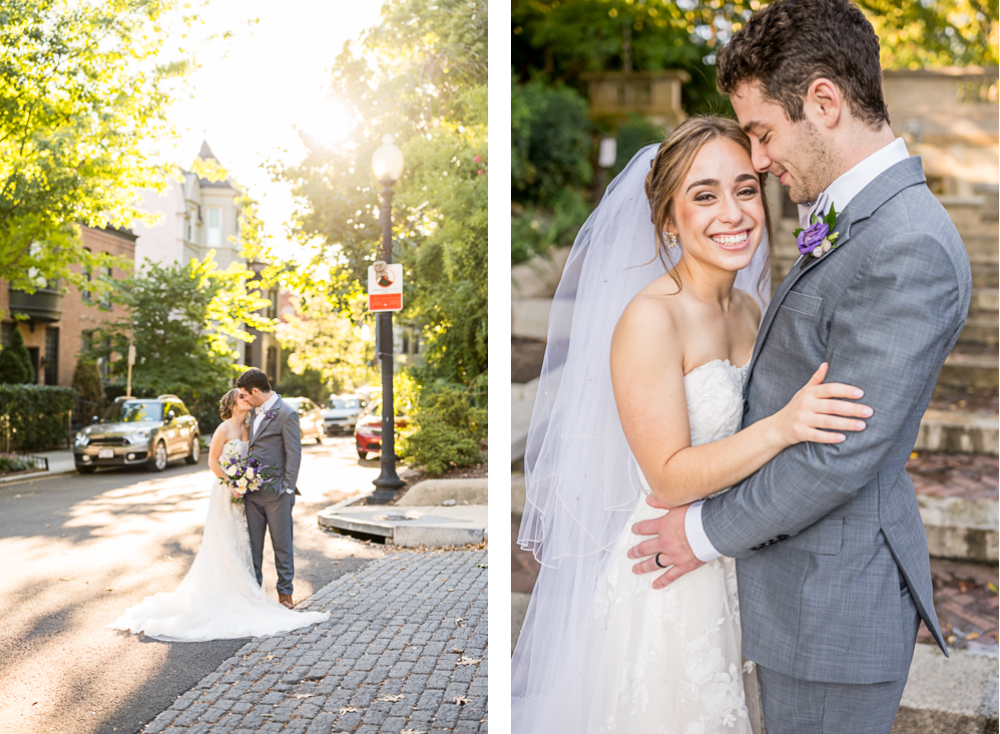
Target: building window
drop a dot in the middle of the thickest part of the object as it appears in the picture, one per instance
(6, 333)
(106, 297)
(214, 226)
(51, 355)
(88, 297)
(189, 226)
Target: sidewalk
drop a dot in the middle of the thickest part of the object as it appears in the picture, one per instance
(404, 652)
(60, 462)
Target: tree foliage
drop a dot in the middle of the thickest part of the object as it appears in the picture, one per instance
(83, 91)
(420, 75)
(87, 381)
(185, 322)
(15, 362)
(915, 34)
(326, 351)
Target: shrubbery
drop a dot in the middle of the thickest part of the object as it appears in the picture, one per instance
(15, 362)
(444, 431)
(87, 381)
(38, 414)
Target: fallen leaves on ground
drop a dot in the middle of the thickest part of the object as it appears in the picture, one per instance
(391, 698)
(350, 710)
(468, 661)
(460, 700)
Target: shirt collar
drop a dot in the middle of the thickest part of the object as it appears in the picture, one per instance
(268, 404)
(850, 184)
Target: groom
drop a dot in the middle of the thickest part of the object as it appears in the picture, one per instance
(831, 553)
(275, 440)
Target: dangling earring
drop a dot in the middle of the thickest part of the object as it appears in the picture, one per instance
(670, 238)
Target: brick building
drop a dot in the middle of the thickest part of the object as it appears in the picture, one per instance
(60, 318)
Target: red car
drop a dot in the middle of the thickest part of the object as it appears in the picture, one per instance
(368, 431)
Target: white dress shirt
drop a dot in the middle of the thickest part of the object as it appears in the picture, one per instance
(839, 193)
(259, 416)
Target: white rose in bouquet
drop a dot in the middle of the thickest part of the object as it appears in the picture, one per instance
(231, 470)
(242, 482)
(250, 473)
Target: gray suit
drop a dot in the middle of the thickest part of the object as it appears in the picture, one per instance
(277, 443)
(832, 555)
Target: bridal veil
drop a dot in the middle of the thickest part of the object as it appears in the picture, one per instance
(581, 483)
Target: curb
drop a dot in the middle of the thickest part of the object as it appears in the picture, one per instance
(961, 529)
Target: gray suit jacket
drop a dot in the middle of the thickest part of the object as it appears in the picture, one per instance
(825, 534)
(278, 444)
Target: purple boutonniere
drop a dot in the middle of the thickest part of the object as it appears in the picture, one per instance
(271, 412)
(817, 239)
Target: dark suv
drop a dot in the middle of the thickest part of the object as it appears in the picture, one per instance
(149, 431)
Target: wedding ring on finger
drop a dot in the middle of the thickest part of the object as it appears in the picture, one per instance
(656, 560)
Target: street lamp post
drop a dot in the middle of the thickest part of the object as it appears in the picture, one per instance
(387, 164)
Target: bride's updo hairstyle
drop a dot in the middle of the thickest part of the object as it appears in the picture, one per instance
(227, 403)
(671, 165)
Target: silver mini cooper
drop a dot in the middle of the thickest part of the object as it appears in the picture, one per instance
(149, 431)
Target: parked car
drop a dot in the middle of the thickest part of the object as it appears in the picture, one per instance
(310, 418)
(149, 431)
(341, 413)
(368, 432)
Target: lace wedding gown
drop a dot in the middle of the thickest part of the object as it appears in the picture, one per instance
(672, 661)
(219, 599)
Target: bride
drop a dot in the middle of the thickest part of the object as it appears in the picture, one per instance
(220, 597)
(641, 397)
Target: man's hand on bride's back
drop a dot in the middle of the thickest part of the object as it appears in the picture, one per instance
(819, 411)
(669, 545)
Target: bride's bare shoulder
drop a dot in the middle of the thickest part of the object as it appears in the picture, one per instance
(653, 310)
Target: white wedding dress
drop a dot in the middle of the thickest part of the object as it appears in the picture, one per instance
(671, 657)
(219, 599)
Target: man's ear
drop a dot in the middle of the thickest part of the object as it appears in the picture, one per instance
(824, 103)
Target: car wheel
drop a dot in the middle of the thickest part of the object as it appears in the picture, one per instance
(363, 455)
(159, 457)
(195, 453)
(86, 469)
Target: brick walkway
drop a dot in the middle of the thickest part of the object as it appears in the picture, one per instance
(965, 598)
(968, 476)
(404, 652)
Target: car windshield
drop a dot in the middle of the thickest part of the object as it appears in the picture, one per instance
(133, 411)
(344, 403)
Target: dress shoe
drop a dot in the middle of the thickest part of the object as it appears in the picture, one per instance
(286, 601)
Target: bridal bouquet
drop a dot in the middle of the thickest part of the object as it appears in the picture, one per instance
(244, 474)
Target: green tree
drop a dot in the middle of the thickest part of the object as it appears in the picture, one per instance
(421, 75)
(185, 321)
(326, 351)
(15, 362)
(87, 381)
(84, 90)
(915, 34)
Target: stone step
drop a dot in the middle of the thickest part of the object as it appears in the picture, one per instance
(980, 328)
(985, 299)
(962, 370)
(958, 432)
(985, 276)
(982, 248)
(961, 529)
(954, 695)
(530, 317)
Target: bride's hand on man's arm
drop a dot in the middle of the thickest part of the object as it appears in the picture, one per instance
(818, 412)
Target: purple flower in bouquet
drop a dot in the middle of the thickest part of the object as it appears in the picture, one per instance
(271, 412)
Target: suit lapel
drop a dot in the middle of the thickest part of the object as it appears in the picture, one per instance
(264, 420)
(900, 176)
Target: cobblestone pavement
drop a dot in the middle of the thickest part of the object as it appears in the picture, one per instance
(404, 652)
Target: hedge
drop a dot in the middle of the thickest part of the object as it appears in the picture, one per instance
(37, 414)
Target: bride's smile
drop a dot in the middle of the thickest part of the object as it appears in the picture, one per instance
(718, 211)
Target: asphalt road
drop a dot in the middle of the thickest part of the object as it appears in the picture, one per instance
(76, 551)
